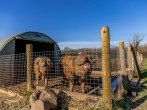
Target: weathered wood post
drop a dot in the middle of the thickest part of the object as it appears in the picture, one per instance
(29, 49)
(130, 66)
(138, 57)
(123, 72)
(122, 58)
(133, 63)
(141, 58)
(106, 79)
(136, 66)
(129, 57)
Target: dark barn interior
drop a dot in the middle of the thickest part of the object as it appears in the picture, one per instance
(38, 50)
(20, 46)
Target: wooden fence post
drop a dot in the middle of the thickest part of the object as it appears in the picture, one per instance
(129, 58)
(141, 58)
(129, 61)
(29, 49)
(138, 57)
(133, 63)
(123, 72)
(122, 58)
(106, 79)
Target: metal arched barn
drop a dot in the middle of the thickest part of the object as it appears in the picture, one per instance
(12, 65)
(16, 44)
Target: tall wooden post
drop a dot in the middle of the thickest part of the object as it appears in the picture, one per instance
(122, 58)
(141, 58)
(123, 65)
(130, 64)
(138, 58)
(129, 57)
(29, 49)
(136, 66)
(106, 79)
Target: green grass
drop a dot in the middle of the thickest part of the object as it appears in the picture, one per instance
(141, 99)
(122, 104)
(139, 102)
(26, 94)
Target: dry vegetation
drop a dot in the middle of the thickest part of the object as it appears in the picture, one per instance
(12, 103)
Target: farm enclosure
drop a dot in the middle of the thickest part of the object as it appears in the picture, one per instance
(56, 79)
(18, 75)
(14, 70)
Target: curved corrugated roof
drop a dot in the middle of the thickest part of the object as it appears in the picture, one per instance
(36, 36)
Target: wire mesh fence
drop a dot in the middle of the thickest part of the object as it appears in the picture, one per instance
(13, 69)
(78, 71)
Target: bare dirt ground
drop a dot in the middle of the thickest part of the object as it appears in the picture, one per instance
(138, 103)
(12, 103)
(15, 103)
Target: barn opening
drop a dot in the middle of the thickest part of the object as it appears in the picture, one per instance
(20, 46)
(38, 48)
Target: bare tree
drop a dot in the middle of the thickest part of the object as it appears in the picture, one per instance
(135, 42)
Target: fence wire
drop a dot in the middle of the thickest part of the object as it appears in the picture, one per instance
(13, 71)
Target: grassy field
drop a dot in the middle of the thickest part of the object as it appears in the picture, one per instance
(139, 102)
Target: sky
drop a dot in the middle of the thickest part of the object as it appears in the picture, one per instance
(75, 23)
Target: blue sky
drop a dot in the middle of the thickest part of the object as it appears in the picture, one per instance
(75, 23)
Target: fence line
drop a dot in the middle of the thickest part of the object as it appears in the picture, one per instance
(106, 64)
